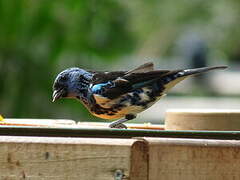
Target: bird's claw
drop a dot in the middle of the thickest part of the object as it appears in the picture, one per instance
(118, 126)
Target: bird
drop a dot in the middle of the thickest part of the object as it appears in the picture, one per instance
(120, 95)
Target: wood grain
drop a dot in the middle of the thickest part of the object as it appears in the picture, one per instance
(139, 161)
(63, 158)
(203, 119)
(188, 159)
(99, 158)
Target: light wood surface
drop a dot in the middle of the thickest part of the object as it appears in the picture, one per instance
(56, 158)
(203, 119)
(139, 161)
(67, 123)
(191, 159)
(63, 158)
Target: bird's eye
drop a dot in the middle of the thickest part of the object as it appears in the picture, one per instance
(64, 78)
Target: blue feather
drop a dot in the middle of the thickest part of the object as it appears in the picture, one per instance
(98, 88)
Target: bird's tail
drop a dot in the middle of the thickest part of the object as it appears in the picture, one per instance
(174, 77)
(196, 71)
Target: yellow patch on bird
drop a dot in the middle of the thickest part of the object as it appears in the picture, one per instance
(106, 116)
(118, 115)
(102, 101)
(121, 113)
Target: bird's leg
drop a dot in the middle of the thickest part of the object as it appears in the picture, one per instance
(119, 123)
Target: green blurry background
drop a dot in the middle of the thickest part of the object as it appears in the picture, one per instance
(38, 39)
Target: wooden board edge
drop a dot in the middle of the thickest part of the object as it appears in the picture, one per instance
(139, 169)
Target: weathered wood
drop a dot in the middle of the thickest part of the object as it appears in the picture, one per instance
(99, 158)
(203, 119)
(63, 158)
(67, 123)
(38, 122)
(188, 159)
(139, 161)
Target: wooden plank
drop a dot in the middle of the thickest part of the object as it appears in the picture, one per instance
(67, 123)
(203, 119)
(139, 161)
(187, 159)
(38, 122)
(100, 158)
(64, 158)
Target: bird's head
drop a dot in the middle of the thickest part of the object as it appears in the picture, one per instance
(70, 83)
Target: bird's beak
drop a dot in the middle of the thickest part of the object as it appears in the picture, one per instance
(57, 94)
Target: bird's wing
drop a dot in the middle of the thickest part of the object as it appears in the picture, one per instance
(112, 88)
(103, 77)
(142, 69)
(100, 77)
(128, 81)
(104, 93)
(137, 79)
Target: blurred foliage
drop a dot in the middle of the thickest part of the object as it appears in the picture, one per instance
(34, 35)
(40, 38)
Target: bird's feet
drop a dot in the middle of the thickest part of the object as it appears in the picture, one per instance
(117, 125)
